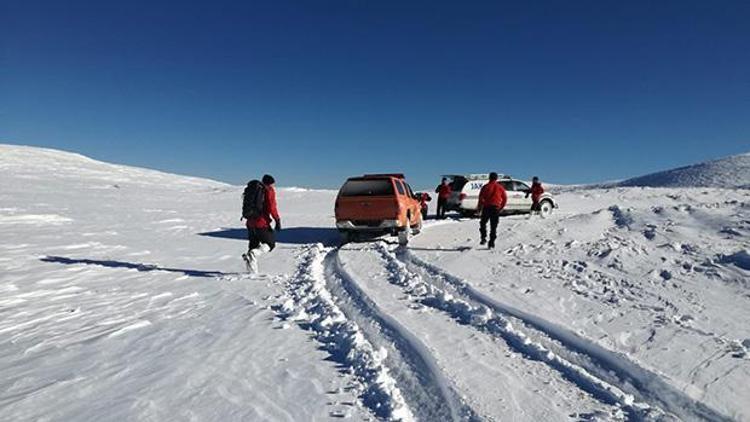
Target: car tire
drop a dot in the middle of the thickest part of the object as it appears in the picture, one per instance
(468, 213)
(417, 228)
(545, 208)
(348, 236)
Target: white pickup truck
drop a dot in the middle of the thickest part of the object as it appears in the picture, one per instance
(465, 196)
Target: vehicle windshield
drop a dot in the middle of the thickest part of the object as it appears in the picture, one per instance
(372, 187)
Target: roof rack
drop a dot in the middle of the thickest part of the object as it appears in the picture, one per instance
(485, 176)
(396, 175)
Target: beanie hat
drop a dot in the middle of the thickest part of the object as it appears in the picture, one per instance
(268, 179)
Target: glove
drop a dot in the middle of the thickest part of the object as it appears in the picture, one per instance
(278, 226)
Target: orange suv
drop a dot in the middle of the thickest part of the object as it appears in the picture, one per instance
(377, 204)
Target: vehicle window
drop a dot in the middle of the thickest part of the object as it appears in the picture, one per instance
(520, 186)
(458, 183)
(508, 185)
(408, 188)
(375, 187)
(400, 187)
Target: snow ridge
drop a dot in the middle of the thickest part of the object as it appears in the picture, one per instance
(643, 394)
(729, 172)
(313, 306)
(38, 164)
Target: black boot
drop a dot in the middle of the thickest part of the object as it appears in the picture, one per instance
(483, 241)
(491, 245)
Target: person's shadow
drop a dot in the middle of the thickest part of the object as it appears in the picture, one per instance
(130, 265)
(293, 235)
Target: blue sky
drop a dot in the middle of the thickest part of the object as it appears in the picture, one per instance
(316, 91)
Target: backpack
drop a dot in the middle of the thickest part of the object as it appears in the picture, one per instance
(253, 199)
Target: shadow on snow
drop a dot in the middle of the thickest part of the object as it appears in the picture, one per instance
(293, 235)
(130, 265)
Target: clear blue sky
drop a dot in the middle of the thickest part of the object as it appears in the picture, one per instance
(315, 91)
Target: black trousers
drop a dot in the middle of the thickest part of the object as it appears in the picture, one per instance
(441, 207)
(258, 236)
(491, 214)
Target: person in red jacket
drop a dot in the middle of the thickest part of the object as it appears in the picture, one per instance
(444, 191)
(536, 192)
(259, 232)
(492, 199)
(424, 198)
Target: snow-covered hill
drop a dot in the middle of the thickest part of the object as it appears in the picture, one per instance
(729, 172)
(122, 298)
(41, 164)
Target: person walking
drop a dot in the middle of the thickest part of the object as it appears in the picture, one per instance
(444, 191)
(258, 208)
(492, 199)
(536, 192)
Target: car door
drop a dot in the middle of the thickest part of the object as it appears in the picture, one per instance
(514, 197)
(470, 192)
(416, 210)
(525, 199)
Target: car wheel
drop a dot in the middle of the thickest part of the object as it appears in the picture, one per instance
(403, 237)
(468, 213)
(348, 237)
(417, 228)
(545, 209)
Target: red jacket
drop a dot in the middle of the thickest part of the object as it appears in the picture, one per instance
(423, 199)
(264, 220)
(536, 192)
(492, 195)
(444, 191)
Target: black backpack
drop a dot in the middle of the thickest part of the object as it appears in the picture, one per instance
(253, 199)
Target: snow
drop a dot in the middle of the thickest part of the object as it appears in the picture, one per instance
(729, 172)
(122, 297)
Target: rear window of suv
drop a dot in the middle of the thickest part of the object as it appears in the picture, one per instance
(373, 187)
(458, 183)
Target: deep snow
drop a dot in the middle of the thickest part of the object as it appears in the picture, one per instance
(122, 298)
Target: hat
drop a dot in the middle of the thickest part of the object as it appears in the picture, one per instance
(268, 179)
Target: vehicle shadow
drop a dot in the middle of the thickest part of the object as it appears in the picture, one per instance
(131, 265)
(293, 235)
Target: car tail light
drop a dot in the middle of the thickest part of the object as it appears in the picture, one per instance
(462, 196)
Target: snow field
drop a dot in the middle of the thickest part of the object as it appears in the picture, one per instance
(641, 272)
(122, 298)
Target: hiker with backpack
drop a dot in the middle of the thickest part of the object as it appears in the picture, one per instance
(258, 208)
(492, 199)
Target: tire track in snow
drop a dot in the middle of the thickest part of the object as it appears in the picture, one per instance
(425, 386)
(608, 375)
(395, 376)
(312, 306)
